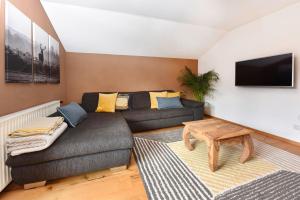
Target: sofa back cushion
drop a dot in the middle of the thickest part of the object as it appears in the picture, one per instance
(141, 100)
(137, 100)
(89, 101)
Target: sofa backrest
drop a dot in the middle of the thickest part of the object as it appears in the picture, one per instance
(89, 101)
(137, 100)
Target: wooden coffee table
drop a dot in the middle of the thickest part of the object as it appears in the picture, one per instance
(215, 132)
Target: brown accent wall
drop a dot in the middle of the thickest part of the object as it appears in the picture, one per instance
(85, 72)
(101, 72)
(14, 97)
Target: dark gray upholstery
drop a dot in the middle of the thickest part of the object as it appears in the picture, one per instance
(140, 115)
(100, 132)
(158, 123)
(198, 108)
(139, 100)
(149, 119)
(103, 140)
(191, 103)
(175, 112)
(154, 114)
(89, 101)
(70, 166)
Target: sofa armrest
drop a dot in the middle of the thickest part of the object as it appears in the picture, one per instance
(191, 103)
(197, 107)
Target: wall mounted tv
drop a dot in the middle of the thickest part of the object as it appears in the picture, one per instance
(274, 71)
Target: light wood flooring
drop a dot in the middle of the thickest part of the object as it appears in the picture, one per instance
(106, 185)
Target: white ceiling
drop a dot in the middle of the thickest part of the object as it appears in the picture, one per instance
(164, 28)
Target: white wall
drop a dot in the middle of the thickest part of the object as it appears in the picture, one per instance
(273, 110)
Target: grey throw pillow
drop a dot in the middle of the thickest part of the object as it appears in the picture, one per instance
(72, 113)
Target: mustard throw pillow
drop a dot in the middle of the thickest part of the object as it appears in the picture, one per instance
(153, 98)
(173, 94)
(107, 102)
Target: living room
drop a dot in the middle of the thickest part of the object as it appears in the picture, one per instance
(149, 100)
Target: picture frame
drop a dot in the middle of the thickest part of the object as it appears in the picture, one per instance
(41, 67)
(54, 61)
(18, 46)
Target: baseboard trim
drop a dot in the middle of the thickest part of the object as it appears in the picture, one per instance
(269, 135)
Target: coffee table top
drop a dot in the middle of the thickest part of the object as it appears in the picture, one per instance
(216, 129)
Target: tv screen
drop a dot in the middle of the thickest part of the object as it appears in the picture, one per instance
(268, 71)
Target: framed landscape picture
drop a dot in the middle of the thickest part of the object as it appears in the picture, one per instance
(41, 67)
(54, 63)
(18, 46)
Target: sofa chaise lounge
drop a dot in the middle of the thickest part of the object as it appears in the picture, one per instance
(103, 140)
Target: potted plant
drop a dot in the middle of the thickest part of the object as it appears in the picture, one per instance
(201, 85)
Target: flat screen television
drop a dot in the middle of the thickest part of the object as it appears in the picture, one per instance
(274, 71)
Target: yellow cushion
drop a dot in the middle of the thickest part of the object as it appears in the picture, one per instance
(173, 94)
(107, 102)
(153, 98)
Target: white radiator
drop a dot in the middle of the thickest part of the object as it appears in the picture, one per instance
(14, 121)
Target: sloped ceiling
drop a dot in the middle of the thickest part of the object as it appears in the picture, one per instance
(163, 28)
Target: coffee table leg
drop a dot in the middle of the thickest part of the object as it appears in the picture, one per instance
(186, 138)
(213, 154)
(248, 149)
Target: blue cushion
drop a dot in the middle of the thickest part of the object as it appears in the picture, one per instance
(72, 113)
(167, 103)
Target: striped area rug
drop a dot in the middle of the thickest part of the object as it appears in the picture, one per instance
(165, 176)
(231, 173)
(267, 162)
(285, 160)
(282, 185)
(279, 157)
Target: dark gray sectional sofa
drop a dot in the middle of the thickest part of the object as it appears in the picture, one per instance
(103, 140)
(140, 117)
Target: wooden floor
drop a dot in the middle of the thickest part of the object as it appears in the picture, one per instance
(106, 185)
(277, 143)
(100, 185)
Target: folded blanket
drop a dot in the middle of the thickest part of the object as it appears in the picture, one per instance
(26, 145)
(39, 126)
(21, 145)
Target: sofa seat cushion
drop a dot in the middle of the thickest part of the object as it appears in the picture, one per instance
(100, 132)
(175, 112)
(140, 115)
(154, 114)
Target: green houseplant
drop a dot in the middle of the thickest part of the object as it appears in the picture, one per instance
(201, 85)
